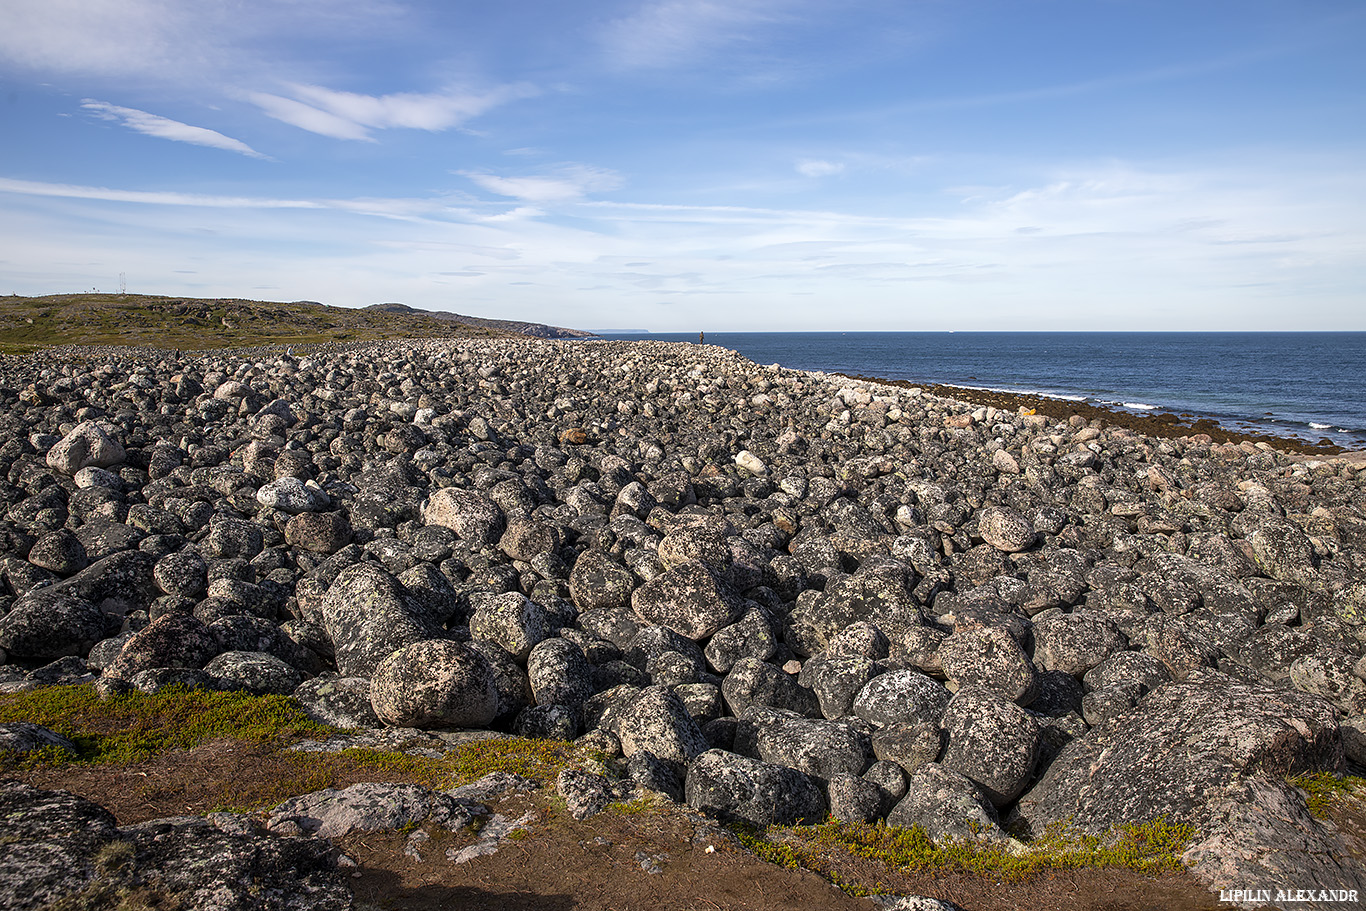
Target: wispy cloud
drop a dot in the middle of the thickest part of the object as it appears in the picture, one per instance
(350, 115)
(665, 33)
(815, 167)
(570, 182)
(165, 128)
(151, 197)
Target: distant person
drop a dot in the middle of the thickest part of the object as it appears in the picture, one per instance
(701, 338)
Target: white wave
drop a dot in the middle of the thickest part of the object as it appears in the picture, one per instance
(1316, 426)
(1141, 406)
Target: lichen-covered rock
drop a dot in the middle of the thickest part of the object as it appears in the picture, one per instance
(436, 683)
(182, 572)
(1122, 667)
(1331, 676)
(59, 551)
(689, 599)
(752, 682)
(854, 799)
(90, 444)
(319, 532)
(818, 747)
(368, 807)
(598, 581)
(1075, 643)
(512, 620)
(471, 515)
(901, 696)
(656, 721)
(63, 851)
(585, 793)
(1005, 529)
(343, 702)
(1182, 743)
(171, 640)
(368, 618)
(837, 680)
(989, 656)
(510, 679)
(752, 636)
(909, 744)
(20, 737)
(559, 674)
(293, 496)
(256, 672)
(991, 741)
(736, 787)
(52, 622)
(947, 806)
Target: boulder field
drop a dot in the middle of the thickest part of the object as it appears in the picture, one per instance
(771, 594)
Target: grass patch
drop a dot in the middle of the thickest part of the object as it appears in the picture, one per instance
(136, 726)
(1325, 789)
(1151, 848)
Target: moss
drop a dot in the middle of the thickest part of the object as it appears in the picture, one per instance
(134, 727)
(1154, 847)
(1326, 788)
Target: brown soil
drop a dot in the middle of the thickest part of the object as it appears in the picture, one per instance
(560, 863)
(1162, 424)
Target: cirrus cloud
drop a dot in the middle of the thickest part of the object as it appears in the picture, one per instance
(165, 128)
(350, 115)
(566, 183)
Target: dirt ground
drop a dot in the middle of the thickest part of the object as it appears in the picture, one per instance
(639, 856)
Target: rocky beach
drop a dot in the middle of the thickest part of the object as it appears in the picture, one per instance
(775, 597)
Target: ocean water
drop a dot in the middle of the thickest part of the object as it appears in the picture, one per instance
(1310, 385)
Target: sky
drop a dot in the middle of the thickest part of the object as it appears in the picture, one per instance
(685, 165)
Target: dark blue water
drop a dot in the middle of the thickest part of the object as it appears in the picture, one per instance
(1310, 385)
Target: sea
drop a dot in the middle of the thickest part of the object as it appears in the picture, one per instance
(1303, 385)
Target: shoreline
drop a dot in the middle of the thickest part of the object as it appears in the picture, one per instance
(1161, 424)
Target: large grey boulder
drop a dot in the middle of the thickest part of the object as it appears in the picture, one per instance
(471, 515)
(49, 624)
(1181, 744)
(752, 682)
(736, 787)
(815, 746)
(989, 656)
(901, 696)
(689, 599)
(1005, 529)
(171, 640)
(343, 702)
(90, 444)
(598, 581)
(436, 683)
(258, 673)
(837, 680)
(657, 722)
(368, 807)
(946, 805)
(1075, 643)
(62, 850)
(368, 618)
(559, 674)
(512, 620)
(991, 741)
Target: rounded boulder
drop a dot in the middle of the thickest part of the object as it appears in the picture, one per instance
(435, 683)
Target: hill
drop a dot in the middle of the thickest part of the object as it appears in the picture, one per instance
(30, 323)
(536, 330)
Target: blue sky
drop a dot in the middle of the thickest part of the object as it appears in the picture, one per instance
(691, 164)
